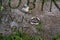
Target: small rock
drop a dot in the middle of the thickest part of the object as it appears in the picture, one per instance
(25, 8)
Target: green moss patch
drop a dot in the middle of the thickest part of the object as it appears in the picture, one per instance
(57, 37)
(22, 36)
(39, 26)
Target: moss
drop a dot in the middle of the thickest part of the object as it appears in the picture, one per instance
(57, 37)
(1, 8)
(1, 36)
(39, 26)
(22, 36)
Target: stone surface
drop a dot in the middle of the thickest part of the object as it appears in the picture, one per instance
(15, 17)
